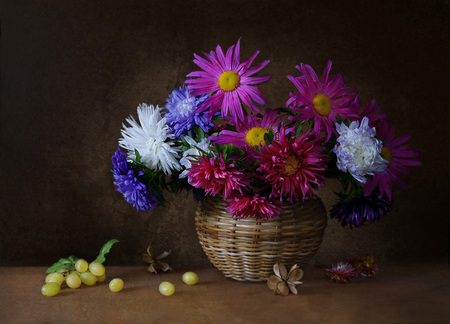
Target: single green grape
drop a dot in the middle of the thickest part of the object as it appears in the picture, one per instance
(50, 289)
(190, 278)
(101, 278)
(116, 285)
(55, 277)
(88, 278)
(81, 265)
(166, 288)
(96, 268)
(73, 280)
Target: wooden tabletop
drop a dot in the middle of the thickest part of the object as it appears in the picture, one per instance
(398, 294)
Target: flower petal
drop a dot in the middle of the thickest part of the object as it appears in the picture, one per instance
(282, 288)
(273, 281)
(295, 274)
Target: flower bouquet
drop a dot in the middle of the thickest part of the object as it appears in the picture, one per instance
(211, 137)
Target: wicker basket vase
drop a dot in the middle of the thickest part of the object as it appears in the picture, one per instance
(246, 249)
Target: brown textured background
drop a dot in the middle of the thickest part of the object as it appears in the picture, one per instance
(72, 71)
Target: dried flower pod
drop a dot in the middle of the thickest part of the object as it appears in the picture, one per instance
(155, 262)
(283, 282)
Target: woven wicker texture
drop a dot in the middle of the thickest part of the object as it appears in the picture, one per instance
(247, 249)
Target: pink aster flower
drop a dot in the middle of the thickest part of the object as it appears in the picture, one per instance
(370, 111)
(250, 132)
(253, 205)
(230, 81)
(399, 156)
(321, 100)
(216, 177)
(291, 165)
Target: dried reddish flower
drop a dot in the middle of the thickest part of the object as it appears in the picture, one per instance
(365, 266)
(341, 272)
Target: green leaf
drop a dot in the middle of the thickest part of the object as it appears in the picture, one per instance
(73, 258)
(232, 128)
(63, 264)
(245, 166)
(299, 130)
(183, 140)
(268, 137)
(339, 119)
(138, 156)
(201, 133)
(104, 250)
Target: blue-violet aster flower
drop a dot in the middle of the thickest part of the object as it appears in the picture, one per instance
(134, 192)
(360, 210)
(180, 112)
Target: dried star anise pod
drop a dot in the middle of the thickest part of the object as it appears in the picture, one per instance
(155, 262)
(283, 282)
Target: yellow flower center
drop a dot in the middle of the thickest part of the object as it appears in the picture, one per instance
(386, 154)
(255, 136)
(322, 104)
(228, 81)
(291, 167)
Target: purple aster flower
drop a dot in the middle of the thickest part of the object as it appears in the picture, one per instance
(127, 183)
(360, 210)
(180, 112)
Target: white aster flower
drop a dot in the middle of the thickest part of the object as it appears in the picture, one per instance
(151, 138)
(194, 152)
(358, 151)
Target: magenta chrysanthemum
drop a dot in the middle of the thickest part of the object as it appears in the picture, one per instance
(341, 272)
(292, 165)
(230, 81)
(321, 100)
(248, 205)
(216, 177)
(399, 156)
(250, 132)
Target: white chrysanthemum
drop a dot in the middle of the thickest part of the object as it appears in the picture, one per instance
(358, 151)
(192, 153)
(151, 138)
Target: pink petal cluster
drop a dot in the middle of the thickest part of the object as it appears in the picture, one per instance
(248, 205)
(401, 157)
(341, 272)
(370, 111)
(216, 177)
(291, 165)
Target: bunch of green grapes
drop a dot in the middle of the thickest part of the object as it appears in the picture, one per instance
(74, 271)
